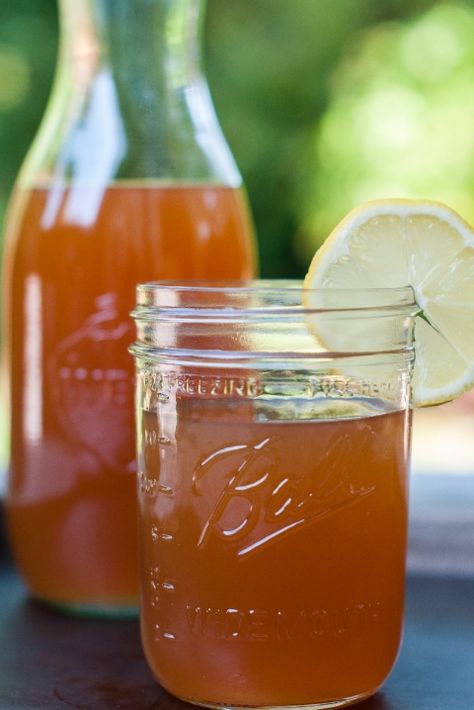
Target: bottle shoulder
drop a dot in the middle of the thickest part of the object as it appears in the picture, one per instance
(99, 133)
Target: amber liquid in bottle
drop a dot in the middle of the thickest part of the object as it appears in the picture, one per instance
(79, 252)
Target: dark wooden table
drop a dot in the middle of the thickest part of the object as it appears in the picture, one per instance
(52, 662)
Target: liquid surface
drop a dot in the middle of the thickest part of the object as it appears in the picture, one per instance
(273, 553)
(75, 256)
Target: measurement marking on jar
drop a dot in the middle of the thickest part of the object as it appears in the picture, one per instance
(163, 635)
(151, 439)
(168, 586)
(166, 490)
(158, 581)
(162, 589)
(147, 485)
(158, 536)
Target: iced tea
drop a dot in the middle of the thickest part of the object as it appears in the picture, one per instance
(273, 549)
(75, 255)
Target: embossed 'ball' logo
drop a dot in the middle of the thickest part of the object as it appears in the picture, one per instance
(92, 385)
(257, 502)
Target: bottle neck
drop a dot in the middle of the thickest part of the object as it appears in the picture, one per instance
(154, 41)
(130, 100)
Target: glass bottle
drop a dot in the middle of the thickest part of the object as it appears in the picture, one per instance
(129, 179)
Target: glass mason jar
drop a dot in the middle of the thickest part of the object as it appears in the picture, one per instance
(129, 179)
(272, 477)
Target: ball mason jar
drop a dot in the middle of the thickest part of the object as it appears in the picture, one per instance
(273, 444)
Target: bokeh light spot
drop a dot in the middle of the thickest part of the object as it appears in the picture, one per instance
(431, 49)
(14, 77)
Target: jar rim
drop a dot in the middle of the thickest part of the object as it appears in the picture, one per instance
(250, 285)
(241, 321)
(269, 295)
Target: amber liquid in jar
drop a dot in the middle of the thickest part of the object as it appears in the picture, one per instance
(273, 552)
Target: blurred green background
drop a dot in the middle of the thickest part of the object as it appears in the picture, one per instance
(325, 103)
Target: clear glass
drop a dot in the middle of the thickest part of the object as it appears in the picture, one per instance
(129, 179)
(272, 479)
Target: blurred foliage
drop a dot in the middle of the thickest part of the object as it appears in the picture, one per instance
(270, 64)
(276, 70)
(400, 122)
(28, 45)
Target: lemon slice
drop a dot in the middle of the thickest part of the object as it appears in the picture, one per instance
(394, 243)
